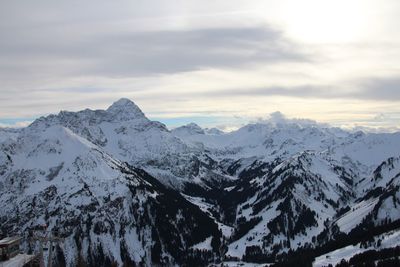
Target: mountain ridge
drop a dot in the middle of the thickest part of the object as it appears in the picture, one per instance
(262, 191)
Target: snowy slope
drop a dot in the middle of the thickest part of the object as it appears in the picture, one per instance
(264, 139)
(268, 141)
(124, 132)
(107, 211)
(268, 187)
(380, 199)
(8, 133)
(389, 240)
(291, 203)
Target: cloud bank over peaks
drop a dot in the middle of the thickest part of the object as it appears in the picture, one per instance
(277, 118)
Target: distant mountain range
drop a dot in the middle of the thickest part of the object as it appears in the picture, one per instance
(122, 189)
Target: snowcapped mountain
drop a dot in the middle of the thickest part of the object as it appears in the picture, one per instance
(263, 140)
(8, 133)
(381, 200)
(187, 130)
(123, 189)
(291, 203)
(106, 210)
(191, 129)
(213, 131)
(124, 132)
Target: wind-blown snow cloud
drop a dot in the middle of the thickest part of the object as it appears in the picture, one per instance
(278, 117)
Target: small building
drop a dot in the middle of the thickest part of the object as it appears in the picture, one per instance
(9, 247)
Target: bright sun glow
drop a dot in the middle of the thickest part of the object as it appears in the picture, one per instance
(323, 21)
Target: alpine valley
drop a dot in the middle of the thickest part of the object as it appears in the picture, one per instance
(122, 190)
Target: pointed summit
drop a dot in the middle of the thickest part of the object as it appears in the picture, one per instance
(125, 109)
(122, 102)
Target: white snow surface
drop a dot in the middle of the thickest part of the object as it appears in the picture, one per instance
(240, 264)
(389, 240)
(357, 213)
(204, 245)
(18, 261)
(78, 151)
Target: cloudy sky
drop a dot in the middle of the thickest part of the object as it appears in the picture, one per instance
(218, 63)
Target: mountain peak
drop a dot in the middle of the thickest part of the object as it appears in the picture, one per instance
(123, 102)
(213, 131)
(193, 125)
(191, 129)
(125, 109)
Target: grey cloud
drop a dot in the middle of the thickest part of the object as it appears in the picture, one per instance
(180, 51)
(377, 89)
(44, 40)
(380, 89)
(116, 53)
(304, 91)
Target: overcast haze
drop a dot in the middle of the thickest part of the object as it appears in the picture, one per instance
(218, 63)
